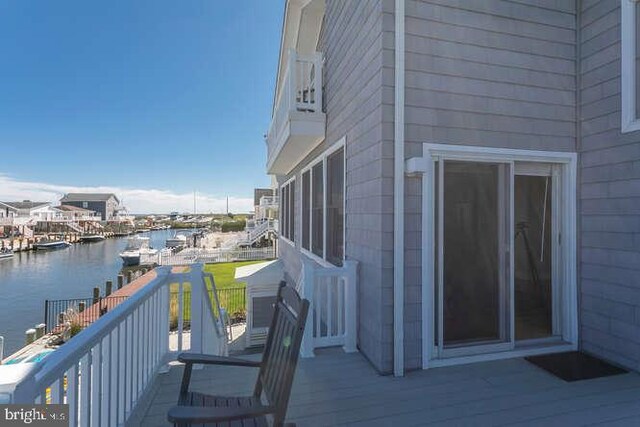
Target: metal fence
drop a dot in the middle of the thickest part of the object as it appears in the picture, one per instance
(232, 300)
(84, 310)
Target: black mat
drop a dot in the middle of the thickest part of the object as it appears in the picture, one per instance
(575, 366)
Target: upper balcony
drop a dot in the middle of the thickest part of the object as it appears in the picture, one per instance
(298, 122)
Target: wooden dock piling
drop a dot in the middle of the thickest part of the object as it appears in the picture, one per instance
(108, 288)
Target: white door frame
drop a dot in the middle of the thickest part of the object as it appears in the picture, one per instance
(567, 167)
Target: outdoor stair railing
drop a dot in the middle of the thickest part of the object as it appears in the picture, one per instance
(104, 371)
(332, 318)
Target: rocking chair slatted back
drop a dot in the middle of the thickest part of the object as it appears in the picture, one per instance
(282, 350)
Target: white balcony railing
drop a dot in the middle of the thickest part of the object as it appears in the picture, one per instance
(268, 201)
(299, 99)
(103, 372)
(199, 255)
(332, 315)
(6, 221)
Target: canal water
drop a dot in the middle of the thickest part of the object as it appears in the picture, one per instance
(29, 278)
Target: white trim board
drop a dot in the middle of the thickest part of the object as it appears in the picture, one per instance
(629, 117)
(566, 164)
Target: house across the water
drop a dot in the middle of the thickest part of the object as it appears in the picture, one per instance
(105, 204)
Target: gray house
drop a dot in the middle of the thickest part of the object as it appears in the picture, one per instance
(477, 163)
(104, 204)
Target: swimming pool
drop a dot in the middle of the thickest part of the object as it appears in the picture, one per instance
(30, 359)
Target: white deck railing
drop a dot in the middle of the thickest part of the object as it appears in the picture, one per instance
(103, 372)
(301, 90)
(332, 316)
(198, 255)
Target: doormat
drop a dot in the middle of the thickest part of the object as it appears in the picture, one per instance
(575, 366)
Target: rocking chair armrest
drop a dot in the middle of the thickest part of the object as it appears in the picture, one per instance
(200, 414)
(209, 359)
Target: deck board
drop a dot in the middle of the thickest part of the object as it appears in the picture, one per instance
(342, 389)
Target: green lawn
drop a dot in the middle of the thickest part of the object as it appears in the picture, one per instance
(223, 273)
(232, 300)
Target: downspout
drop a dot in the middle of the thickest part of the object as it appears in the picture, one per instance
(398, 196)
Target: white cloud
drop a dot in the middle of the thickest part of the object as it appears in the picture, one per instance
(136, 200)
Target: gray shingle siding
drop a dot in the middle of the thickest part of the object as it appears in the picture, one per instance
(610, 196)
(490, 73)
(359, 108)
(497, 73)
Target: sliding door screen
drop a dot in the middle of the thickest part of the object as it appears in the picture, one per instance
(474, 283)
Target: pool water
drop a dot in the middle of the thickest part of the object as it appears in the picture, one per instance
(31, 359)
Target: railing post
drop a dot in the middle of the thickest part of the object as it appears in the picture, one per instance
(307, 289)
(317, 81)
(293, 80)
(197, 294)
(350, 306)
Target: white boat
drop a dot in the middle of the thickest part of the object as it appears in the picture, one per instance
(137, 249)
(177, 241)
(5, 253)
(91, 238)
(49, 245)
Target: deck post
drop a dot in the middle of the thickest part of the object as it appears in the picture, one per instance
(108, 288)
(350, 306)
(307, 288)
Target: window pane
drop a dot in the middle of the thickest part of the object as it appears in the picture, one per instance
(335, 207)
(292, 208)
(317, 204)
(306, 209)
(285, 216)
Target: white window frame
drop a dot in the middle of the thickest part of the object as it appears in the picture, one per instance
(567, 165)
(282, 213)
(630, 120)
(322, 158)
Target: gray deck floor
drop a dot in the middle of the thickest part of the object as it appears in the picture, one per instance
(336, 388)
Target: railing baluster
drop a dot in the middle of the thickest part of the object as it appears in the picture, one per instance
(95, 400)
(106, 380)
(180, 315)
(329, 285)
(72, 394)
(84, 389)
(114, 375)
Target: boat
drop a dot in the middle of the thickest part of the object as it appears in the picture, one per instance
(143, 230)
(49, 245)
(177, 241)
(6, 253)
(137, 250)
(88, 238)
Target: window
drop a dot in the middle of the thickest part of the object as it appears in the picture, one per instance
(306, 209)
(335, 207)
(630, 67)
(287, 208)
(317, 211)
(323, 206)
(85, 204)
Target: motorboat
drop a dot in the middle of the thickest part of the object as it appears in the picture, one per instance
(138, 250)
(177, 241)
(49, 245)
(88, 238)
(6, 253)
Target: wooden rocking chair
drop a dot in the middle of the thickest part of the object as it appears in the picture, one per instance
(275, 378)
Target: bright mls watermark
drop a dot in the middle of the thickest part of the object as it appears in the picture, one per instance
(34, 415)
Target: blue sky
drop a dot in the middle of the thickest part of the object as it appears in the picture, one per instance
(158, 95)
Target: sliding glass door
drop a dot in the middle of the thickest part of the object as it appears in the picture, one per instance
(493, 255)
